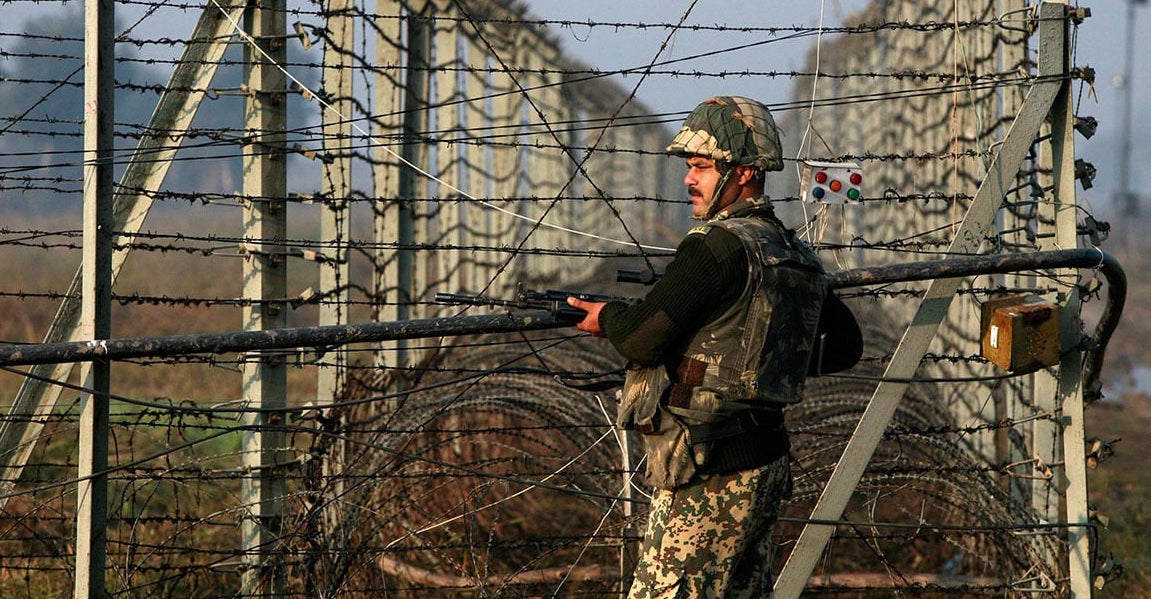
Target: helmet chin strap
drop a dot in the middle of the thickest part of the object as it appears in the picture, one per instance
(716, 196)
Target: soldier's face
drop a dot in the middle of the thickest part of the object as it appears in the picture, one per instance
(700, 180)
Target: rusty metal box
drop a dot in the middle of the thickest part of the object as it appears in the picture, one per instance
(1020, 333)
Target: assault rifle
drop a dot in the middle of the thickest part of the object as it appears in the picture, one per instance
(552, 300)
(838, 342)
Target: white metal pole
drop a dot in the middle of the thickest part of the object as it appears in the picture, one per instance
(1068, 389)
(96, 305)
(265, 284)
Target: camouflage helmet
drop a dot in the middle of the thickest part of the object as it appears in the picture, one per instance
(732, 129)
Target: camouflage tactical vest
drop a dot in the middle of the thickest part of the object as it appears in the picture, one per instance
(756, 352)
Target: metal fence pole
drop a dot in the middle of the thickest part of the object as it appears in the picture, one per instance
(629, 550)
(1067, 392)
(335, 225)
(265, 284)
(96, 309)
(387, 106)
(401, 227)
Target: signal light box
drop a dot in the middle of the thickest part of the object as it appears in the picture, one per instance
(831, 182)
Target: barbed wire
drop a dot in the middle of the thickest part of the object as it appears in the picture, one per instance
(448, 470)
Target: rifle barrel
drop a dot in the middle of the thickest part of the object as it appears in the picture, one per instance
(475, 300)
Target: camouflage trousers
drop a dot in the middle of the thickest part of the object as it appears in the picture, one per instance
(712, 538)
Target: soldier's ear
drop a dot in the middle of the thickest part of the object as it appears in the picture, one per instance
(746, 174)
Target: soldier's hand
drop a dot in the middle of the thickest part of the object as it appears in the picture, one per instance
(590, 323)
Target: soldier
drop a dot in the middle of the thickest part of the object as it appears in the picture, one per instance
(715, 351)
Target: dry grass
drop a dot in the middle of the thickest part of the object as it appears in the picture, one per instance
(35, 279)
(1120, 486)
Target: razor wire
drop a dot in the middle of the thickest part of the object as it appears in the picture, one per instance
(489, 466)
